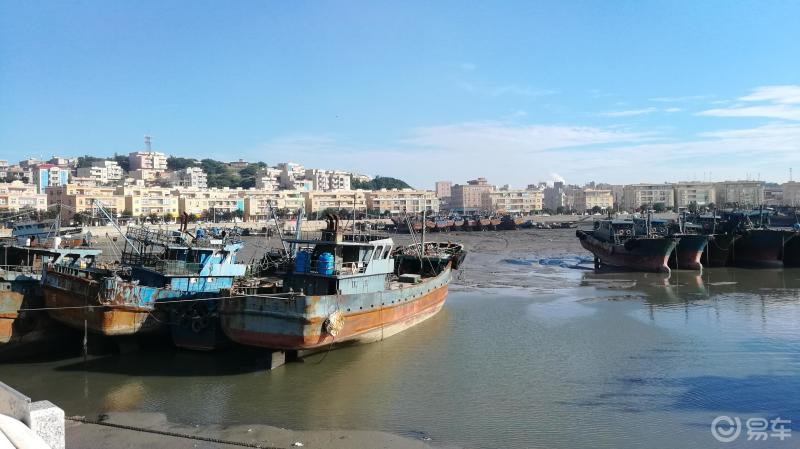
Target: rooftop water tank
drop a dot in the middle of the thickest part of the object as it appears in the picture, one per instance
(325, 264)
(301, 262)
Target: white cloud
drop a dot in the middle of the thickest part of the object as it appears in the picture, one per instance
(682, 99)
(778, 111)
(778, 102)
(673, 110)
(786, 94)
(629, 112)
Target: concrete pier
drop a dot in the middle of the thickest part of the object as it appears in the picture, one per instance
(42, 417)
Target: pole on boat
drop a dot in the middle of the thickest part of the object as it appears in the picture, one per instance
(424, 225)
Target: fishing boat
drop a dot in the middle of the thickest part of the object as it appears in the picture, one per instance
(458, 224)
(494, 223)
(131, 298)
(23, 328)
(791, 249)
(482, 223)
(615, 244)
(721, 238)
(688, 253)
(442, 225)
(758, 245)
(49, 233)
(343, 288)
(469, 224)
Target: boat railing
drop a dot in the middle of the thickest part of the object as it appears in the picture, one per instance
(24, 269)
(329, 236)
(339, 268)
(177, 267)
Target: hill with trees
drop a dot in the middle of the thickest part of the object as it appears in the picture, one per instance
(380, 182)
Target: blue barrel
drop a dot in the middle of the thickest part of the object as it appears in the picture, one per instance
(301, 262)
(325, 264)
(200, 233)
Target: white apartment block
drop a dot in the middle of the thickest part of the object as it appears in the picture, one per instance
(291, 174)
(141, 201)
(700, 193)
(743, 193)
(317, 201)
(268, 178)
(151, 160)
(588, 199)
(398, 201)
(637, 195)
(97, 174)
(512, 201)
(791, 193)
(189, 177)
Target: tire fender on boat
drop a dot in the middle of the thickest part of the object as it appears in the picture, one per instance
(334, 323)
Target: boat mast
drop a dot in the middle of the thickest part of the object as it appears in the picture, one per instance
(424, 225)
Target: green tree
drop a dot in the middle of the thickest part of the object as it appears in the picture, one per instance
(596, 209)
(179, 163)
(380, 182)
(659, 207)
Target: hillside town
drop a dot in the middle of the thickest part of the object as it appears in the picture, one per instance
(152, 186)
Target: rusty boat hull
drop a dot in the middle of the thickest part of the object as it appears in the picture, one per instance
(112, 313)
(298, 323)
(760, 248)
(689, 252)
(646, 254)
(791, 251)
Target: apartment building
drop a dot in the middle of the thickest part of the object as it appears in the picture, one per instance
(555, 197)
(742, 193)
(317, 201)
(149, 160)
(141, 200)
(587, 199)
(258, 203)
(700, 193)
(80, 199)
(637, 195)
(102, 172)
(444, 189)
(268, 178)
(48, 175)
(198, 201)
(398, 201)
(189, 177)
(791, 193)
(327, 180)
(293, 174)
(16, 195)
(512, 201)
(469, 197)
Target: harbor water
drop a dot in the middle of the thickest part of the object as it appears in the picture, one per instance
(528, 352)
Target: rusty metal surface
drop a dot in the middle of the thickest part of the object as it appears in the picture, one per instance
(298, 323)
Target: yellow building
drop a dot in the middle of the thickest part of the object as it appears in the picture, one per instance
(16, 195)
(79, 199)
(337, 199)
(591, 198)
(257, 203)
(141, 201)
(402, 200)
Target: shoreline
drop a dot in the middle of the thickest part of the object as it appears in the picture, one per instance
(155, 425)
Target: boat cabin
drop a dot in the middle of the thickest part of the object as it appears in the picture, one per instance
(613, 230)
(332, 263)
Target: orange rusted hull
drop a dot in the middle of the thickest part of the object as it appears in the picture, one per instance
(108, 320)
(275, 323)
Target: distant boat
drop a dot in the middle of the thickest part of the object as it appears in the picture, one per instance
(615, 244)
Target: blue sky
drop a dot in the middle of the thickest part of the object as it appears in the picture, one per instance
(519, 92)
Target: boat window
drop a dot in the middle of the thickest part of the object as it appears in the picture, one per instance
(378, 252)
(386, 252)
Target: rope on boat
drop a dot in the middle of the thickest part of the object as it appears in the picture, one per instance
(84, 420)
(175, 301)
